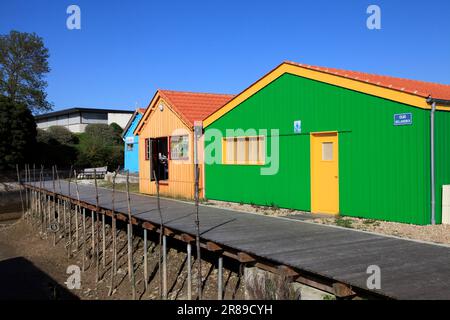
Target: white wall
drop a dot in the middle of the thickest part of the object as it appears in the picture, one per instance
(120, 118)
(88, 117)
(71, 122)
(75, 123)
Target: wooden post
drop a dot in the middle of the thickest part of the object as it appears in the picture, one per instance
(145, 261)
(103, 242)
(34, 192)
(60, 189)
(197, 133)
(54, 205)
(84, 240)
(114, 235)
(41, 198)
(129, 253)
(189, 271)
(77, 211)
(130, 241)
(164, 267)
(70, 230)
(65, 229)
(161, 232)
(84, 218)
(97, 264)
(220, 279)
(92, 238)
(58, 209)
(47, 213)
(26, 192)
(20, 190)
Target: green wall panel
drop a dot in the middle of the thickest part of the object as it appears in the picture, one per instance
(442, 152)
(383, 169)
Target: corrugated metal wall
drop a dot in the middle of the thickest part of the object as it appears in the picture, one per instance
(384, 169)
(181, 172)
(442, 151)
(131, 158)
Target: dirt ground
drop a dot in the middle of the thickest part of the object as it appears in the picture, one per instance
(32, 268)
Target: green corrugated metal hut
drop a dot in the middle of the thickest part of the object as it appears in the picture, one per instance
(332, 141)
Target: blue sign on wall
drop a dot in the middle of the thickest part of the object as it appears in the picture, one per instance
(403, 119)
(298, 126)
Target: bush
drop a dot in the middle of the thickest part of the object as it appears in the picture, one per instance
(62, 135)
(264, 286)
(56, 146)
(100, 145)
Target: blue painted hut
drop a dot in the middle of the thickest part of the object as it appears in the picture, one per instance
(131, 150)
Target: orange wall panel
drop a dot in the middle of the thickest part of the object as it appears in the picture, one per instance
(166, 123)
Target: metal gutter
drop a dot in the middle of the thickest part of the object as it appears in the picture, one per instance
(433, 102)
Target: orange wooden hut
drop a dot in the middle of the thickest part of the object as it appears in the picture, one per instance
(166, 138)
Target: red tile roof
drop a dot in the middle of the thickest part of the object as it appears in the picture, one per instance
(415, 87)
(141, 110)
(193, 106)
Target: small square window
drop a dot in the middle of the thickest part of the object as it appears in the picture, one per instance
(129, 147)
(327, 151)
(179, 147)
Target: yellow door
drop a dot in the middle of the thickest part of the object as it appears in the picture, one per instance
(324, 173)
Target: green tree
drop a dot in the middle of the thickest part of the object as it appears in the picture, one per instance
(100, 145)
(62, 135)
(116, 128)
(56, 145)
(17, 134)
(23, 66)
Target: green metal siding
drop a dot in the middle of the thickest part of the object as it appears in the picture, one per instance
(383, 169)
(442, 152)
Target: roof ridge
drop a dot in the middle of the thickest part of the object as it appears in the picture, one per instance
(197, 93)
(326, 69)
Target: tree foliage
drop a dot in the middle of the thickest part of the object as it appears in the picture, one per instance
(23, 66)
(100, 145)
(57, 146)
(117, 129)
(62, 135)
(17, 134)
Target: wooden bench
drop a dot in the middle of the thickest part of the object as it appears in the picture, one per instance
(91, 173)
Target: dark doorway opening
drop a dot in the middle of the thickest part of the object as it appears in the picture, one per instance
(160, 158)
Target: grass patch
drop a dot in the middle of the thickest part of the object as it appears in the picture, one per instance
(274, 207)
(345, 223)
(371, 222)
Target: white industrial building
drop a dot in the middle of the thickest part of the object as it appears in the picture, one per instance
(76, 119)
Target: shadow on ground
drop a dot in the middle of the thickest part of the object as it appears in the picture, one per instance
(20, 279)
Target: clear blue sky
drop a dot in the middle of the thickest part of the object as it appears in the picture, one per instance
(125, 50)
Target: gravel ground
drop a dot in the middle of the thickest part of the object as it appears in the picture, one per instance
(436, 234)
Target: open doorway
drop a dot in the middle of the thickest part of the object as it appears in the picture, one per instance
(160, 158)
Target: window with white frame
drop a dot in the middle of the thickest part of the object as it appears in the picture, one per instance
(179, 147)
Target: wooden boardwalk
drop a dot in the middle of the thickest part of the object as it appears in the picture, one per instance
(409, 269)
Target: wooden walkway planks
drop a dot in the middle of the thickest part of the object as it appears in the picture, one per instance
(410, 270)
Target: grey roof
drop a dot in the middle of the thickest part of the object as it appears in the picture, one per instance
(76, 110)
